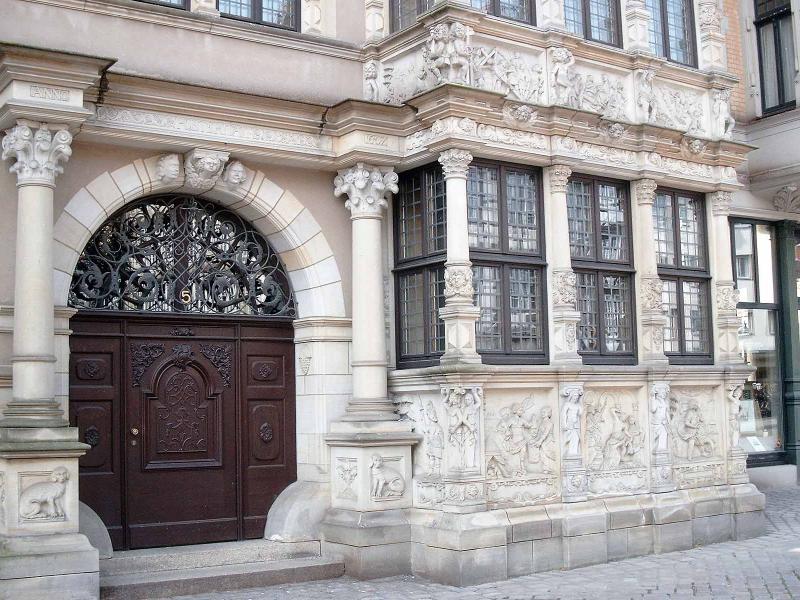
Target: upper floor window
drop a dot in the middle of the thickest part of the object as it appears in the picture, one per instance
(596, 20)
(600, 245)
(775, 54)
(671, 29)
(404, 12)
(679, 227)
(278, 13)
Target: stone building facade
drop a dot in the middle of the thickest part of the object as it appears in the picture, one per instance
(455, 288)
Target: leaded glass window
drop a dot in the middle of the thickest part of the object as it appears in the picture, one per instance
(776, 54)
(404, 13)
(596, 20)
(278, 13)
(483, 210)
(599, 235)
(671, 30)
(679, 228)
(177, 253)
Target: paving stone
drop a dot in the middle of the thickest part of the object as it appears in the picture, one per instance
(763, 568)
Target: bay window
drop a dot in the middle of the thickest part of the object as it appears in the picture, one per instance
(600, 246)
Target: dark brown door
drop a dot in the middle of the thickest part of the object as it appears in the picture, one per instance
(195, 420)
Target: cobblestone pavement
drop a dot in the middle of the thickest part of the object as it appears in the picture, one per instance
(759, 569)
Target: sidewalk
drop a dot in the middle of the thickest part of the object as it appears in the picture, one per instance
(766, 568)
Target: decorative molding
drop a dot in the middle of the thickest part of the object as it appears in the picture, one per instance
(366, 188)
(727, 297)
(564, 288)
(458, 283)
(142, 356)
(558, 176)
(787, 199)
(582, 91)
(38, 153)
(455, 162)
(221, 356)
(346, 472)
(651, 294)
(680, 167)
(644, 190)
(463, 406)
(571, 411)
(596, 152)
(467, 128)
(235, 175)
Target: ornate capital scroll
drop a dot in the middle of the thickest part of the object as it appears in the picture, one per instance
(455, 163)
(366, 188)
(559, 176)
(38, 151)
(644, 190)
(720, 203)
(787, 199)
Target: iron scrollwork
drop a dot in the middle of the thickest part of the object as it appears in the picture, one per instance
(177, 253)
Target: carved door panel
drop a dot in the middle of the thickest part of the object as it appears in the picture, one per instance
(94, 386)
(180, 442)
(268, 421)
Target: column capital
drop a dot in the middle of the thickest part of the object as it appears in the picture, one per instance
(558, 176)
(720, 203)
(644, 190)
(367, 188)
(455, 162)
(38, 148)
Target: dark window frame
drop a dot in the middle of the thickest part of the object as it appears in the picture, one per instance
(681, 274)
(756, 287)
(601, 267)
(691, 33)
(587, 23)
(423, 6)
(256, 9)
(184, 4)
(773, 18)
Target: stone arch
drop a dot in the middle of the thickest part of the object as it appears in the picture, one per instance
(276, 213)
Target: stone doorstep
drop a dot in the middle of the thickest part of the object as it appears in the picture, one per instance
(164, 584)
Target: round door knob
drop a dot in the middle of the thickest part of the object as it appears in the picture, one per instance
(134, 431)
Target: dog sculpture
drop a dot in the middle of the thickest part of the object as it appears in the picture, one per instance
(43, 500)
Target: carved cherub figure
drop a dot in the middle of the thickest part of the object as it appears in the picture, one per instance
(459, 53)
(42, 500)
(168, 167)
(371, 88)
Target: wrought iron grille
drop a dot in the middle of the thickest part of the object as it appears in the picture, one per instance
(177, 253)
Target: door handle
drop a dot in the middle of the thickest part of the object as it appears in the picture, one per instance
(134, 431)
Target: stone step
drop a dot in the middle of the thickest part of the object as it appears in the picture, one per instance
(165, 584)
(205, 555)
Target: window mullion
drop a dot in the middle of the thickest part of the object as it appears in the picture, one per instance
(756, 289)
(505, 289)
(665, 29)
(587, 20)
(776, 37)
(681, 320)
(601, 317)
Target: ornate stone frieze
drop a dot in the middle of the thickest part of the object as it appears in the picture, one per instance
(519, 115)
(463, 408)
(605, 96)
(564, 288)
(700, 475)
(644, 191)
(611, 130)
(386, 482)
(571, 412)
(210, 129)
(168, 168)
(467, 128)
(522, 441)
(558, 176)
(39, 153)
(434, 494)
(235, 174)
(455, 162)
(41, 495)
(680, 167)
(614, 438)
(458, 283)
(366, 188)
(692, 147)
(787, 199)
(695, 434)
(523, 492)
(595, 152)
(203, 167)
(447, 54)
(507, 74)
(668, 106)
(721, 203)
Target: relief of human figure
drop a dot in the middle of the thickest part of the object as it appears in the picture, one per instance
(434, 440)
(735, 392)
(463, 424)
(571, 412)
(659, 409)
(691, 433)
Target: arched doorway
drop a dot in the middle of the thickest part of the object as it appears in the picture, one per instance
(182, 374)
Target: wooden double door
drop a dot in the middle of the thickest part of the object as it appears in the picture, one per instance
(191, 423)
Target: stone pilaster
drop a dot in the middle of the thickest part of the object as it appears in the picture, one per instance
(377, 13)
(551, 14)
(726, 322)
(660, 436)
(737, 458)
(712, 41)
(459, 312)
(637, 19)
(652, 317)
(574, 484)
(563, 311)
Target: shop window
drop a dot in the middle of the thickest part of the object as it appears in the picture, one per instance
(755, 253)
(596, 20)
(671, 30)
(599, 239)
(679, 227)
(775, 41)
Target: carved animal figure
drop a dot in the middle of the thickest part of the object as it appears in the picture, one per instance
(42, 500)
(386, 482)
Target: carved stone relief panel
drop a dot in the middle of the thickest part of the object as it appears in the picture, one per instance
(41, 496)
(696, 437)
(346, 473)
(463, 406)
(386, 480)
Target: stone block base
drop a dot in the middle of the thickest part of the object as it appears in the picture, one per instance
(468, 549)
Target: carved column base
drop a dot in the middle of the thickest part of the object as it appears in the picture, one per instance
(637, 17)
(459, 334)
(712, 51)
(464, 494)
(737, 466)
(565, 342)
(661, 473)
(652, 328)
(574, 484)
(727, 328)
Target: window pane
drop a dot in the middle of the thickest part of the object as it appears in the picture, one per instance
(581, 224)
(588, 328)
(573, 16)
(769, 65)
(603, 20)
(663, 226)
(766, 252)
(672, 341)
(523, 233)
(410, 217)
(514, 9)
(436, 295)
(278, 12)
(526, 322)
(412, 329)
(691, 232)
(787, 57)
(613, 226)
(482, 208)
(695, 317)
(679, 31)
(655, 27)
(405, 13)
(617, 310)
(744, 264)
(760, 416)
(764, 7)
(488, 297)
(236, 8)
(481, 4)
(437, 210)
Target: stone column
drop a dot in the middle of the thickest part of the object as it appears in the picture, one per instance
(637, 20)
(39, 453)
(712, 41)
(726, 323)
(459, 312)
(652, 317)
(574, 484)
(563, 311)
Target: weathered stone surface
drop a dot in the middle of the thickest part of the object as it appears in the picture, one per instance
(297, 513)
(669, 537)
(90, 525)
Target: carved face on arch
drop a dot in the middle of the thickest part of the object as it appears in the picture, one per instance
(168, 167)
